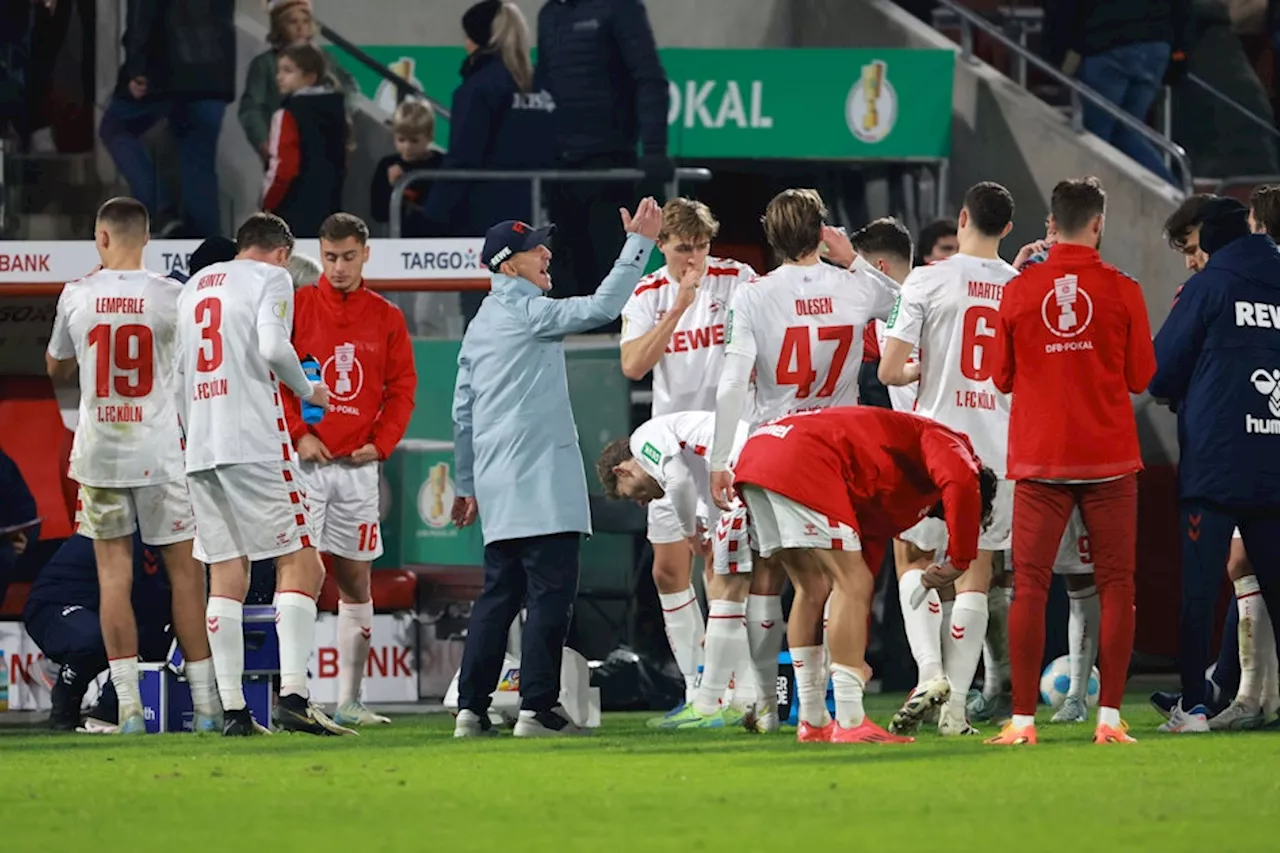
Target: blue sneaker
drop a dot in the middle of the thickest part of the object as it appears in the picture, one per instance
(665, 720)
(133, 724)
(1165, 701)
(207, 724)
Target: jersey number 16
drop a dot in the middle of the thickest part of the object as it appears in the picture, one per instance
(797, 350)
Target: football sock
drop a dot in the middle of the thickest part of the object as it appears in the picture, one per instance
(1021, 721)
(962, 647)
(923, 626)
(203, 686)
(1083, 619)
(1252, 673)
(1266, 639)
(847, 686)
(124, 675)
(296, 626)
(726, 647)
(765, 630)
(683, 619)
(224, 623)
(811, 684)
(1109, 717)
(355, 634)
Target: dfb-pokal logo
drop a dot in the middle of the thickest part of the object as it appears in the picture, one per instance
(343, 373)
(871, 109)
(435, 497)
(1267, 383)
(1067, 310)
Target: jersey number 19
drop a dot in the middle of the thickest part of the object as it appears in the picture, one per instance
(129, 352)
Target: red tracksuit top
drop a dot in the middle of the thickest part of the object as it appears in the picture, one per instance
(877, 470)
(366, 359)
(1072, 342)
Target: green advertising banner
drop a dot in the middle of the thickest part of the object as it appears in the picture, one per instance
(823, 104)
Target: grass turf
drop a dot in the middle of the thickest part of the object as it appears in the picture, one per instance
(410, 786)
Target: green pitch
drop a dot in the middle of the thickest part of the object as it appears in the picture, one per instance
(410, 786)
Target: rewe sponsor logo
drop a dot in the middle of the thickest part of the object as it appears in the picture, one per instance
(1266, 383)
(1261, 315)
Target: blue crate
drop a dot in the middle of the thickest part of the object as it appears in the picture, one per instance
(261, 643)
(166, 699)
(788, 706)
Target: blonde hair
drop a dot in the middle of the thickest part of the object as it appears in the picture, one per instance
(414, 118)
(793, 223)
(276, 36)
(684, 217)
(303, 269)
(510, 40)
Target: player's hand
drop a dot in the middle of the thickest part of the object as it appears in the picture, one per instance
(839, 249)
(464, 512)
(138, 88)
(722, 489)
(646, 222)
(911, 371)
(394, 173)
(688, 291)
(936, 577)
(311, 449)
(700, 543)
(319, 395)
(1026, 252)
(19, 540)
(367, 453)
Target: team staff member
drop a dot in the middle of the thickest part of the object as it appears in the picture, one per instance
(1072, 338)
(1219, 364)
(366, 358)
(674, 325)
(519, 466)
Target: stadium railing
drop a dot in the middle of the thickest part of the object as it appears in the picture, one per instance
(1079, 93)
(536, 178)
(403, 87)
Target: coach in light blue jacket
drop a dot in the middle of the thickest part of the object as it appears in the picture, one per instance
(519, 466)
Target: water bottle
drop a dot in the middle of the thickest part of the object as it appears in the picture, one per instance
(311, 413)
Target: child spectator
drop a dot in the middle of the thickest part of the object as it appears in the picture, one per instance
(291, 24)
(414, 127)
(307, 146)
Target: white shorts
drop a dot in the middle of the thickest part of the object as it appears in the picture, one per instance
(927, 534)
(731, 545)
(779, 522)
(664, 527)
(999, 535)
(252, 509)
(1073, 554)
(1235, 534)
(342, 503)
(161, 513)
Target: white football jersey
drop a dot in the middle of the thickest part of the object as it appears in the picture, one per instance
(232, 397)
(120, 326)
(949, 309)
(803, 328)
(901, 397)
(684, 379)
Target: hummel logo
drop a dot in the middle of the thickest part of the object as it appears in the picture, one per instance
(366, 632)
(213, 624)
(767, 625)
(934, 607)
(957, 632)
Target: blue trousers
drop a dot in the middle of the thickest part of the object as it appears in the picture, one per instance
(1130, 77)
(71, 635)
(1206, 543)
(195, 126)
(541, 574)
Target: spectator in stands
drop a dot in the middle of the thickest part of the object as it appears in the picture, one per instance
(498, 122)
(308, 144)
(303, 269)
(179, 65)
(600, 63)
(291, 24)
(938, 240)
(414, 131)
(1123, 50)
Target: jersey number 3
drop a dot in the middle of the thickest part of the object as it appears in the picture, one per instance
(128, 351)
(209, 319)
(797, 350)
(979, 330)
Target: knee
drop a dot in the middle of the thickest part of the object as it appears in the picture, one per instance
(670, 574)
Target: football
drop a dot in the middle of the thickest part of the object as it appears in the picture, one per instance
(1055, 681)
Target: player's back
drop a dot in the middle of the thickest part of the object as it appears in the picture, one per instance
(122, 325)
(232, 398)
(955, 303)
(805, 321)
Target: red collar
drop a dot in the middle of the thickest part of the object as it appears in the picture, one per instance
(1072, 252)
(333, 294)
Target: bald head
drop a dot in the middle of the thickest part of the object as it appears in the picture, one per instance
(126, 220)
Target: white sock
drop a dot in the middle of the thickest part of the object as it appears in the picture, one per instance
(1021, 721)
(683, 620)
(355, 632)
(224, 623)
(1109, 717)
(1266, 639)
(765, 629)
(1084, 620)
(962, 647)
(990, 674)
(846, 683)
(726, 646)
(296, 626)
(944, 625)
(124, 675)
(201, 683)
(923, 626)
(811, 684)
(826, 647)
(1249, 603)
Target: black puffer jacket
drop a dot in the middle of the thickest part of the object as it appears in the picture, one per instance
(599, 61)
(1089, 27)
(185, 48)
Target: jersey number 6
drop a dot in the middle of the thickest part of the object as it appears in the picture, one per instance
(979, 327)
(797, 349)
(209, 318)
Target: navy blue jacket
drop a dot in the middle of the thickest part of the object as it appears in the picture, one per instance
(71, 578)
(1218, 358)
(493, 126)
(599, 60)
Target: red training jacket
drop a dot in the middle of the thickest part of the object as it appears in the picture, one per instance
(877, 470)
(366, 359)
(1072, 342)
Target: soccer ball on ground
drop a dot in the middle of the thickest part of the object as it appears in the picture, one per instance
(1055, 681)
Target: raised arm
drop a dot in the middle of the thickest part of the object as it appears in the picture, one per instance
(463, 440)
